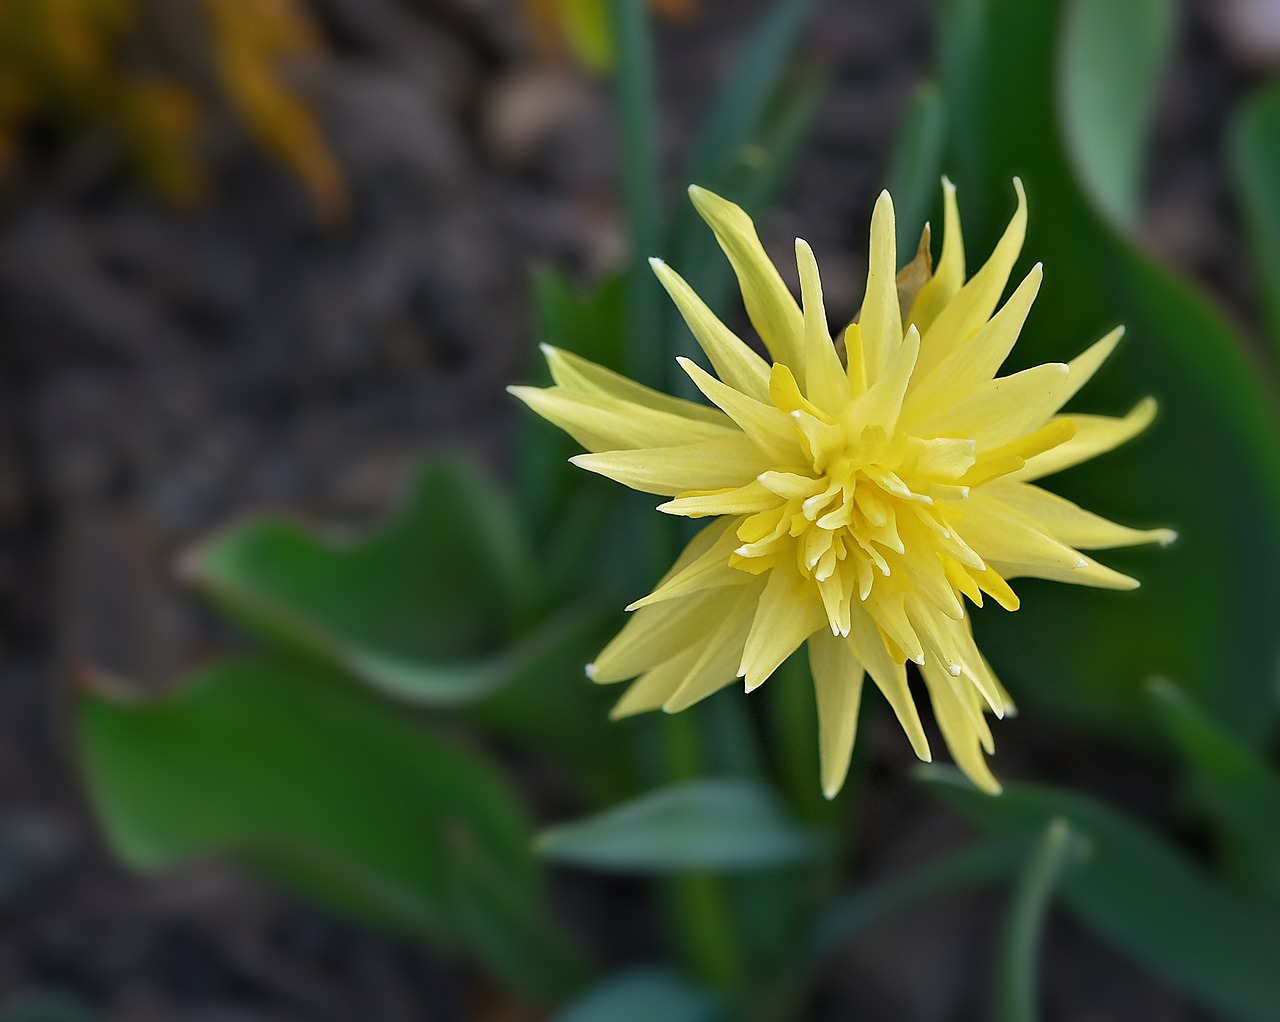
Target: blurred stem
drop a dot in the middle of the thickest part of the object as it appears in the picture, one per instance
(700, 901)
(1020, 944)
(637, 158)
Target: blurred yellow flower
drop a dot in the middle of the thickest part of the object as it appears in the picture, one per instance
(859, 490)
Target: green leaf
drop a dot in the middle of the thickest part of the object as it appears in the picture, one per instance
(915, 165)
(414, 608)
(1205, 612)
(1255, 162)
(739, 109)
(1113, 57)
(1144, 897)
(296, 772)
(1020, 943)
(713, 824)
(47, 1007)
(1239, 790)
(645, 995)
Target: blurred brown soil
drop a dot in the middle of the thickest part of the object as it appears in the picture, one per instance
(164, 372)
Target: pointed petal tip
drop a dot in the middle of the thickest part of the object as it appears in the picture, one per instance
(590, 670)
(1165, 536)
(656, 264)
(948, 185)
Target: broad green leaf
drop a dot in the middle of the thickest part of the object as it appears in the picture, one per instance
(1239, 790)
(1205, 612)
(645, 995)
(1016, 972)
(415, 608)
(1255, 161)
(915, 165)
(1113, 56)
(293, 770)
(712, 824)
(1143, 896)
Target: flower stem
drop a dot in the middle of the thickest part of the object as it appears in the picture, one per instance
(699, 902)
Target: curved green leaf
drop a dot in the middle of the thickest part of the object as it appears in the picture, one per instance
(296, 772)
(1113, 56)
(414, 608)
(1240, 790)
(714, 824)
(1143, 896)
(1255, 161)
(915, 165)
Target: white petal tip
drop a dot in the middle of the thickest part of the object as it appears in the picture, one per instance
(918, 659)
(546, 349)
(953, 670)
(1166, 536)
(830, 793)
(742, 552)
(590, 671)
(656, 263)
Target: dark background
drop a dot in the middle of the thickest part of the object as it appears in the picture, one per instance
(164, 371)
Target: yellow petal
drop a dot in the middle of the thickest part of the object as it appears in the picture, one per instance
(709, 571)
(611, 424)
(1001, 535)
(882, 402)
(963, 737)
(789, 612)
(837, 686)
(772, 309)
(717, 663)
(996, 412)
(1088, 362)
(656, 686)
(742, 500)
(948, 276)
(1069, 523)
(978, 359)
(973, 304)
(734, 361)
(825, 381)
(670, 471)
(890, 677)
(1095, 434)
(881, 319)
(768, 427)
(579, 375)
(653, 634)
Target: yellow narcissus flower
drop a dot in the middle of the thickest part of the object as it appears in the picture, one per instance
(859, 490)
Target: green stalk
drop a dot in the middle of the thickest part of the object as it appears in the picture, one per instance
(699, 902)
(638, 164)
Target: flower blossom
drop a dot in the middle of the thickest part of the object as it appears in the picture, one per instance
(859, 490)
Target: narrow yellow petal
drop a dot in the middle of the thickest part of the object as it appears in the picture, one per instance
(653, 634)
(881, 319)
(1095, 434)
(973, 304)
(770, 306)
(767, 426)
(882, 402)
(890, 677)
(709, 571)
(742, 500)
(837, 686)
(1088, 362)
(825, 381)
(948, 275)
(789, 612)
(1001, 535)
(734, 360)
(1089, 573)
(656, 686)
(995, 413)
(670, 471)
(1069, 523)
(717, 663)
(980, 357)
(963, 738)
(611, 424)
(579, 375)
